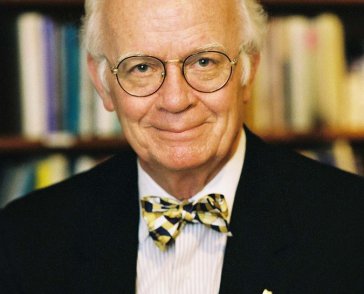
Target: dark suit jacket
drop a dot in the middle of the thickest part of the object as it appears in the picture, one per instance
(297, 228)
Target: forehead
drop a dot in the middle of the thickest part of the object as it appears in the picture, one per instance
(169, 27)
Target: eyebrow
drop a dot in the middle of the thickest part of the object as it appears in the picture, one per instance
(211, 46)
(207, 47)
(129, 54)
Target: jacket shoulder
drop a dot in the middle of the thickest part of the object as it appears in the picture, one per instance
(75, 193)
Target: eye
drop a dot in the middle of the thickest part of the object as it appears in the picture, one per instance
(139, 67)
(204, 62)
(142, 67)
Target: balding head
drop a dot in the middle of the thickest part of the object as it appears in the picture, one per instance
(252, 22)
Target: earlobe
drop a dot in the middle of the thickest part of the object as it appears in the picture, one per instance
(93, 69)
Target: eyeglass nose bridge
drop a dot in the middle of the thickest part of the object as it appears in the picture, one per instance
(165, 62)
(173, 61)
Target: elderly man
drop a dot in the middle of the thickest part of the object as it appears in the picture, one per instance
(203, 206)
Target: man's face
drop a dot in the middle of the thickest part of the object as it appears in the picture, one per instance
(176, 128)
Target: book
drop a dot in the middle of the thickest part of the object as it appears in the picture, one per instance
(354, 102)
(51, 75)
(330, 69)
(32, 74)
(70, 81)
(301, 95)
(278, 65)
(17, 180)
(51, 170)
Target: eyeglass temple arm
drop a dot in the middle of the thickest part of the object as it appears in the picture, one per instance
(113, 69)
(236, 59)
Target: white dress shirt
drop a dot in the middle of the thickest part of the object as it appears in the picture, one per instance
(193, 263)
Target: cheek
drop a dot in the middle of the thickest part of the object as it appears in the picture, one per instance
(132, 113)
(129, 109)
(236, 102)
(227, 105)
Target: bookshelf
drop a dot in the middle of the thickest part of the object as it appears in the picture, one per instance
(31, 3)
(11, 146)
(15, 146)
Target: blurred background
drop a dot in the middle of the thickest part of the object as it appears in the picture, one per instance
(308, 93)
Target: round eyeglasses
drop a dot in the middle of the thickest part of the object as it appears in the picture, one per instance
(206, 72)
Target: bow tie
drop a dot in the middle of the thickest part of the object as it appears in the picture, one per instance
(165, 217)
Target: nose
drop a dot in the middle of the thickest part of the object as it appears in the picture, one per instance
(175, 95)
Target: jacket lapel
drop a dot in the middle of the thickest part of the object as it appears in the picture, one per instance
(111, 238)
(262, 235)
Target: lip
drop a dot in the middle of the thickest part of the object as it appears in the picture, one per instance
(176, 130)
(178, 133)
(179, 129)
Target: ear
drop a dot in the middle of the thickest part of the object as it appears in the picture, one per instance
(248, 87)
(93, 69)
(254, 61)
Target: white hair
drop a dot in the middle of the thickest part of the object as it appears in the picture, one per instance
(253, 24)
(91, 28)
(253, 29)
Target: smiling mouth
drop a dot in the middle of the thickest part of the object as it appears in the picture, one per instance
(178, 130)
(180, 133)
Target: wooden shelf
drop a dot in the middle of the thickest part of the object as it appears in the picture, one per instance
(312, 139)
(325, 135)
(18, 145)
(25, 3)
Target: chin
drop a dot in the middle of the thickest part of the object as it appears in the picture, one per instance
(183, 160)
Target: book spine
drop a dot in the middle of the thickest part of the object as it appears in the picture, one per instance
(32, 75)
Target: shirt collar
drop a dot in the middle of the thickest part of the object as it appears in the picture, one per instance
(225, 182)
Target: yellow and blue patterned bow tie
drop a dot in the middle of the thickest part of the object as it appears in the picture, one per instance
(166, 217)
